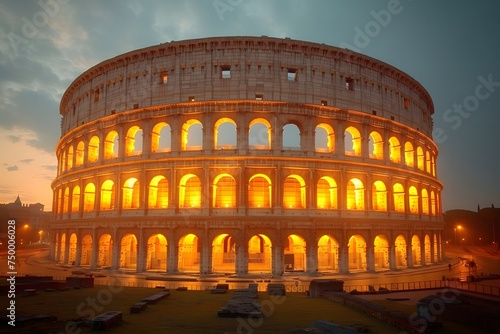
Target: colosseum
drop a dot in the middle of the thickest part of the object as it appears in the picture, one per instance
(243, 155)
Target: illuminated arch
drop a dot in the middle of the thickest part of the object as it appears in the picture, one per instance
(133, 141)
(425, 202)
(156, 253)
(381, 252)
(105, 250)
(111, 145)
(62, 250)
(376, 146)
(352, 141)
(416, 250)
(80, 152)
(326, 193)
(190, 191)
(192, 135)
(324, 140)
(223, 253)
(409, 154)
(69, 158)
(225, 134)
(328, 254)
(108, 195)
(60, 202)
(433, 203)
(357, 253)
(66, 200)
(63, 161)
(428, 162)
(427, 249)
(93, 149)
(73, 245)
(291, 137)
(89, 197)
(294, 192)
(259, 134)
(394, 150)
(435, 246)
(355, 195)
(86, 253)
(131, 194)
(224, 191)
(75, 199)
(400, 249)
(259, 254)
(433, 167)
(420, 158)
(399, 197)
(379, 196)
(128, 252)
(259, 191)
(413, 199)
(161, 138)
(295, 253)
(189, 253)
(158, 192)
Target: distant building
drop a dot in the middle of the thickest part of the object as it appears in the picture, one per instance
(246, 155)
(32, 223)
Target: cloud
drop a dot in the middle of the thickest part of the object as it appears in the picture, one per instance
(12, 168)
(50, 167)
(27, 161)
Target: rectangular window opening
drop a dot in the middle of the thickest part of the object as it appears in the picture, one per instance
(324, 103)
(374, 112)
(226, 72)
(191, 99)
(163, 78)
(292, 74)
(406, 103)
(96, 95)
(259, 97)
(349, 83)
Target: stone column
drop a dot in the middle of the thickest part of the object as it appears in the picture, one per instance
(312, 257)
(277, 260)
(78, 255)
(241, 259)
(392, 257)
(115, 253)
(94, 251)
(173, 256)
(141, 252)
(206, 255)
(370, 258)
(343, 259)
(409, 255)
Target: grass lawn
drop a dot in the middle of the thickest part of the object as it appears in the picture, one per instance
(186, 312)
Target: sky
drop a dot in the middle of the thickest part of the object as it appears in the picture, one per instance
(450, 46)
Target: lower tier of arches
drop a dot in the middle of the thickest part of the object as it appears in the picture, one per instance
(247, 248)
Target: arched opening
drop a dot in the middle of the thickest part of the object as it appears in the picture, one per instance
(60, 202)
(72, 248)
(133, 141)
(75, 199)
(224, 191)
(294, 192)
(433, 203)
(428, 162)
(62, 250)
(57, 250)
(192, 135)
(128, 252)
(89, 197)
(111, 145)
(225, 134)
(259, 254)
(93, 149)
(131, 195)
(156, 254)
(190, 191)
(259, 191)
(291, 137)
(357, 253)
(381, 252)
(324, 138)
(413, 200)
(189, 253)
(416, 250)
(379, 196)
(409, 153)
(62, 164)
(400, 249)
(105, 251)
(80, 149)
(425, 202)
(295, 253)
(326, 193)
(355, 195)
(66, 200)
(259, 134)
(420, 158)
(399, 197)
(376, 146)
(352, 142)
(435, 246)
(328, 254)
(69, 158)
(427, 249)
(394, 150)
(86, 250)
(158, 193)
(161, 138)
(223, 254)
(433, 167)
(108, 195)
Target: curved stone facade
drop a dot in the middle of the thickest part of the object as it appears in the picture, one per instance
(246, 155)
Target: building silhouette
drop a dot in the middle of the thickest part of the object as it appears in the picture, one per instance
(246, 155)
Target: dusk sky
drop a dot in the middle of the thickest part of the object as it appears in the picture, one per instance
(451, 47)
